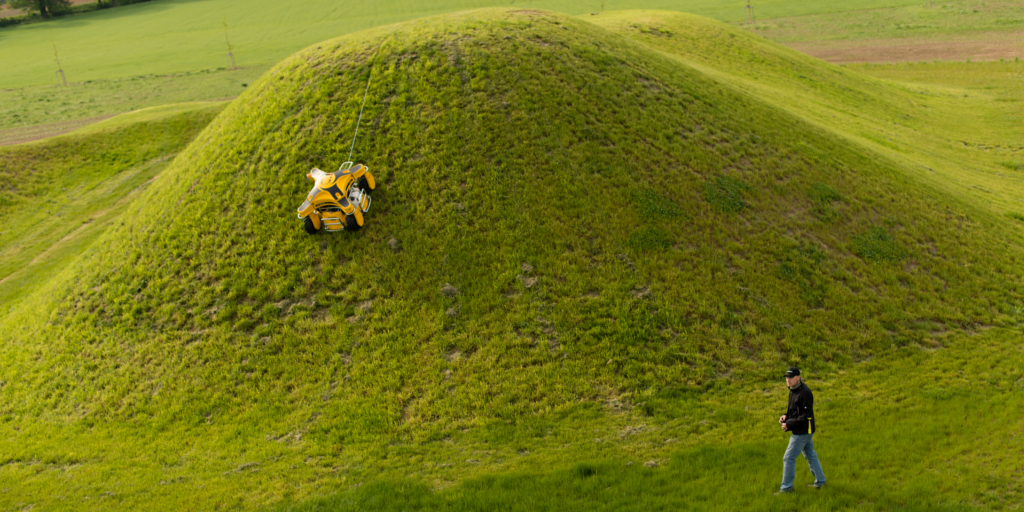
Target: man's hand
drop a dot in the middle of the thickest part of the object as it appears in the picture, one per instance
(782, 419)
(784, 427)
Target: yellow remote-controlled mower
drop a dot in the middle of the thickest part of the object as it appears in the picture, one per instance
(338, 200)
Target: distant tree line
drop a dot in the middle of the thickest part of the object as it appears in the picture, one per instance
(47, 9)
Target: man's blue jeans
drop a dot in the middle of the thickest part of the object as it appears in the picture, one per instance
(798, 445)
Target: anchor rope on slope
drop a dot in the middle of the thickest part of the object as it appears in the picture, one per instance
(365, 94)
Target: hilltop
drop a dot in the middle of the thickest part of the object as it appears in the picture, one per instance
(567, 217)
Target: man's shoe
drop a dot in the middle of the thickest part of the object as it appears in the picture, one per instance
(816, 486)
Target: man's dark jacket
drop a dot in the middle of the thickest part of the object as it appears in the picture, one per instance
(800, 415)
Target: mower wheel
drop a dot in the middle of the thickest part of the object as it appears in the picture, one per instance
(364, 185)
(310, 227)
(351, 224)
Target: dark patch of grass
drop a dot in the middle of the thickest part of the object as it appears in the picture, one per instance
(725, 193)
(649, 239)
(653, 205)
(876, 244)
(1016, 216)
(822, 193)
(584, 470)
(822, 197)
(803, 265)
(1013, 165)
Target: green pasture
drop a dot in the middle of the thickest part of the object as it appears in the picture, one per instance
(912, 431)
(23, 109)
(31, 106)
(942, 19)
(596, 242)
(178, 36)
(83, 182)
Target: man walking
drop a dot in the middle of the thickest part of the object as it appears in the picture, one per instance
(799, 419)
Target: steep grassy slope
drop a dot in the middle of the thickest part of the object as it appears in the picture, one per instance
(565, 218)
(952, 138)
(57, 195)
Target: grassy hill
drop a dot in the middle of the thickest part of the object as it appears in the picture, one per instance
(953, 139)
(584, 246)
(57, 195)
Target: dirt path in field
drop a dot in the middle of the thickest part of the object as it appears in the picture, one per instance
(986, 46)
(11, 136)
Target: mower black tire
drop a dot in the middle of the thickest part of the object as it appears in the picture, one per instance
(364, 185)
(310, 227)
(351, 223)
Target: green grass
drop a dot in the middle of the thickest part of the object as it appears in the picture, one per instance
(941, 20)
(725, 193)
(177, 36)
(878, 245)
(83, 182)
(31, 106)
(953, 138)
(564, 295)
(998, 80)
(914, 431)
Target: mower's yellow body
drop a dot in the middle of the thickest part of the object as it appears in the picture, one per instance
(338, 200)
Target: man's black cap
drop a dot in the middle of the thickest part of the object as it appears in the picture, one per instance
(793, 372)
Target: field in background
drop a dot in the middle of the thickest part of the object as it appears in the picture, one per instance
(945, 18)
(957, 30)
(948, 30)
(29, 133)
(43, 111)
(176, 36)
(893, 31)
(1003, 80)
